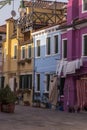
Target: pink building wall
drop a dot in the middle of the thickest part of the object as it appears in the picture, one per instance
(74, 50)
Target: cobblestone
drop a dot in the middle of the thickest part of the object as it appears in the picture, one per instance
(30, 118)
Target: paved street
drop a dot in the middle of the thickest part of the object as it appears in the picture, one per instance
(30, 118)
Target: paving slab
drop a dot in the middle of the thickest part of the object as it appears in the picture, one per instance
(31, 118)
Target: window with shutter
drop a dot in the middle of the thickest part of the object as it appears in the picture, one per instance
(64, 49)
(48, 46)
(15, 51)
(84, 5)
(23, 53)
(29, 51)
(56, 44)
(47, 82)
(38, 48)
(84, 45)
(38, 82)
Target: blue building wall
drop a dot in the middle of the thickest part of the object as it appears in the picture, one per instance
(45, 64)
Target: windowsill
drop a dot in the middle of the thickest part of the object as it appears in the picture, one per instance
(38, 57)
(84, 58)
(48, 55)
(84, 11)
(37, 92)
(64, 59)
(46, 92)
(54, 54)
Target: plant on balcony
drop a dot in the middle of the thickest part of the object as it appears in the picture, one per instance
(8, 99)
(23, 91)
(28, 60)
(21, 62)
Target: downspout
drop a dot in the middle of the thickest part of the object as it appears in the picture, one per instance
(33, 68)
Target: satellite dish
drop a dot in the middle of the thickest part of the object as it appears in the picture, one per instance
(13, 13)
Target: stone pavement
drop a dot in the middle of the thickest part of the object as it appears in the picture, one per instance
(30, 118)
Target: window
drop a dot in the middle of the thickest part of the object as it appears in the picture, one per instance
(47, 82)
(38, 48)
(29, 79)
(2, 79)
(15, 51)
(38, 82)
(84, 45)
(29, 51)
(48, 46)
(64, 49)
(61, 85)
(0, 37)
(84, 5)
(4, 54)
(25, 81)
(56, 44)
(23, 52)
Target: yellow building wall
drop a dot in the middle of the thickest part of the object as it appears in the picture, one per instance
(11, 68)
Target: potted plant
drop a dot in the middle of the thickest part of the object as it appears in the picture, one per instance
(8, 99)
(28, 60)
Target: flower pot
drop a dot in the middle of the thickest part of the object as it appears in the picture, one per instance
(9, 108)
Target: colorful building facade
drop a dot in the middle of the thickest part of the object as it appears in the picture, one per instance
(74, 55)
(17, 61)
(47, 54)
(2, 37)
(18, 48)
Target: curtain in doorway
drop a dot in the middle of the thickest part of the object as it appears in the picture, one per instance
(81, 86)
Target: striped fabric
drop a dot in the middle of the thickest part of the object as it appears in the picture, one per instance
(81, 86)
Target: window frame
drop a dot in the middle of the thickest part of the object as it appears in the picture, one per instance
(63, 57)
(47, 83)
(15, 51)
(24, 81)
(56, 44)
(1, 37)
(23, 57)
(83, 11)
(48, 53)
(29, 53)
(83, 45)
(37, 88)
(38, 48)
(4, 54)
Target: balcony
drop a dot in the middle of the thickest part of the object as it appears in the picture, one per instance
(23, 61)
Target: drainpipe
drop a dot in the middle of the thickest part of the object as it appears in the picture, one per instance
(33, 69)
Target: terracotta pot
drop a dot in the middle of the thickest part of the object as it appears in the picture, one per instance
(9, 108)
